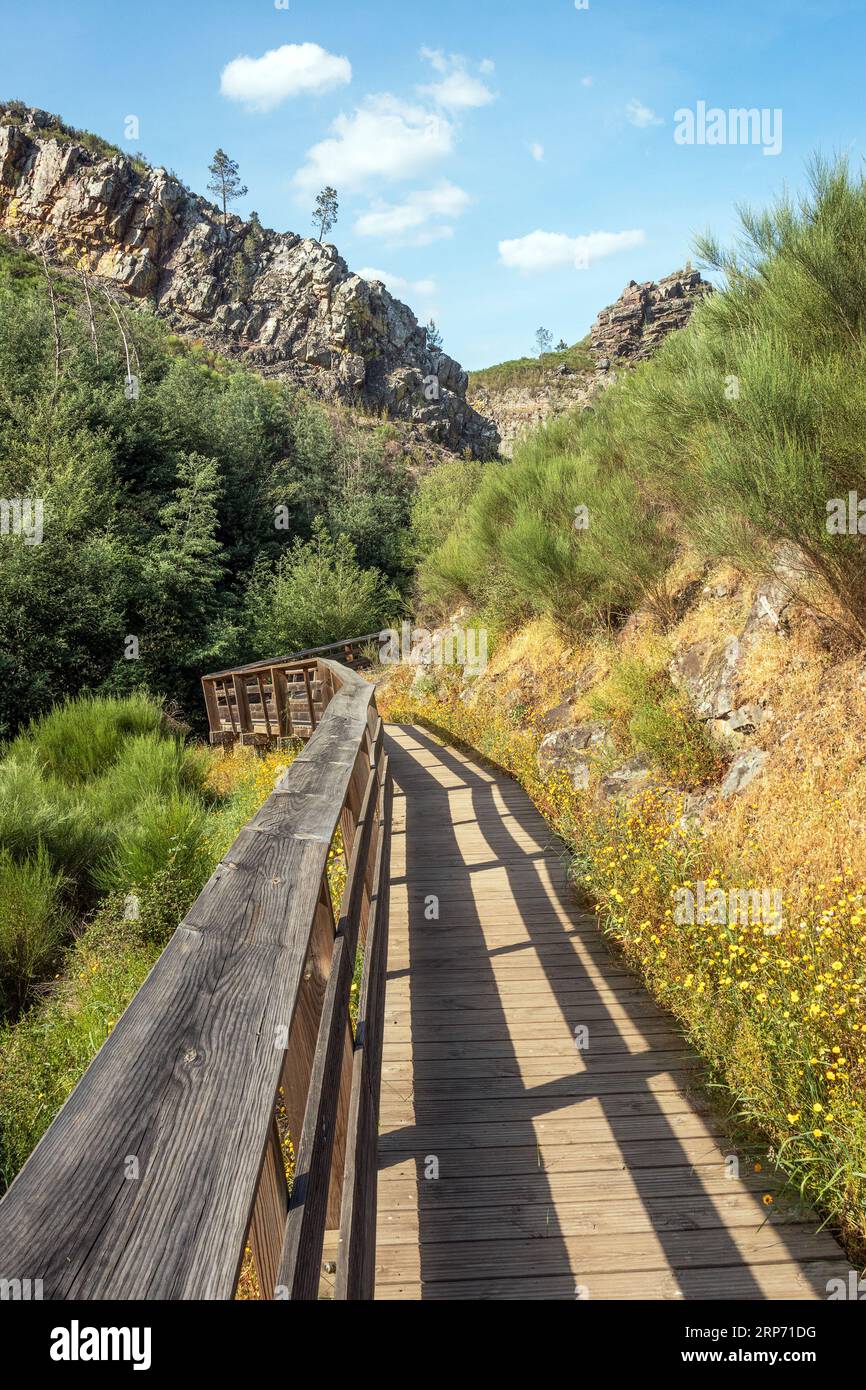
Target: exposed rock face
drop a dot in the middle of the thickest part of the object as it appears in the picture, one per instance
(636, 325)
(745, 767)
(571, 750)
(516, 410)
(284, 304)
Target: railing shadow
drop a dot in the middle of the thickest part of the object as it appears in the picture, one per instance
(699, 1254)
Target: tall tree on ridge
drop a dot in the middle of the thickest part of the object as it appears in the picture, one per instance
(225, 182)
(326, 210)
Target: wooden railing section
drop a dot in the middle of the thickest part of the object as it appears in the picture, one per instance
(280, 698)
(167, 1157)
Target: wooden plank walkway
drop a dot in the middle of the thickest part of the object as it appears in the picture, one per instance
(512, 1164)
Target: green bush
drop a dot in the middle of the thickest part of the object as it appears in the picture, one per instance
(648, 715)
(164, 831)
(316, 594)
(80, 739)
(158, 508)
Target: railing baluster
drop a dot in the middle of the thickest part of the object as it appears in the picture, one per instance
(305, 1227)
(268, 1223)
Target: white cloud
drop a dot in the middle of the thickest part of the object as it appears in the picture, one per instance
(537, 151)
(542, 251)
(397, 284)
(384, 140)
(418, 218)
(459, 89)
(436, 58)
(641, 116)
(587, 81)
(295, 69)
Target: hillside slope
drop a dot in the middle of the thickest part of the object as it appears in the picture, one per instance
(280, 302)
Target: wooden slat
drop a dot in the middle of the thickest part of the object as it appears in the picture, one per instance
(269, 1213)
(282, 704)
(242, 701)
(264, 705)
(309, 690)
(229, 707)
(305, 1227)
(357, 1243)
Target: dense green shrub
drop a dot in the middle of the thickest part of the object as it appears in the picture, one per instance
(33, 923)
(96, 797)
(315, 594)
(733, 439)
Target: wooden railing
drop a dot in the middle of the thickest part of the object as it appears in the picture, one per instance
(168, 1155)
(280, 698)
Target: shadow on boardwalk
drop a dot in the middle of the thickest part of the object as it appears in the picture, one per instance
(561, 1172)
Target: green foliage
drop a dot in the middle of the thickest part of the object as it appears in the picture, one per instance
(733, 439)
(157, 508)
(648, 715)
(315, 594)
(46, 1051)
(33, 923)
(80, 740)
(443, 495)
(326, 211)
(530, 371)
(96, 797)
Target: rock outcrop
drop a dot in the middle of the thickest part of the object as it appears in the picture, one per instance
(518, 409)
(282, 303)
(636, 325)
(623, 334)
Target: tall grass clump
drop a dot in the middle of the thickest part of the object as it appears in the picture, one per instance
(97, 797)
(168, 855)
(33, 923)
(81, 738)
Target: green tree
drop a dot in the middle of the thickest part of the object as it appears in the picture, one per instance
(326, 210)
(543, 340)
(225, 182)
(315, 594)
(434, 337)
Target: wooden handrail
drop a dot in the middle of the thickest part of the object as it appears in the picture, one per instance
(274, 699)
(166, 1158)
(347, 645)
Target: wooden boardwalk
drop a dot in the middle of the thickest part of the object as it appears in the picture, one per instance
(512, 1164)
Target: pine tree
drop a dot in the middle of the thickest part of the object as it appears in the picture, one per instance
(434, 337)
(326, 210)
(225, 182)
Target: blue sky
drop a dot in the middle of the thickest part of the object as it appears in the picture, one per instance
(459, 131)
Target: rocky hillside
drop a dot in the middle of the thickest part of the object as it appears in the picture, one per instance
(623, 334)
(282, 303)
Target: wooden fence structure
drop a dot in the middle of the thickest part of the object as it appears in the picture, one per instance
(281, 698)
(167, 1158)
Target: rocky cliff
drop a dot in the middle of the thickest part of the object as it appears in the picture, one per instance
(282, 303)
(637, 324)
(622, 335)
